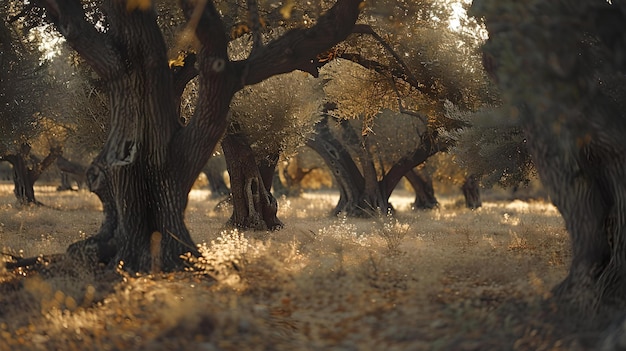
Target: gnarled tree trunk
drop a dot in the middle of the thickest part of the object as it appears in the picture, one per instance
(71, 170)
(567, 83)
(150, 159)
(338, 160)
(372, 200)
(424, 192)
(22, 181)
(27, 170)
(254, 207)
(365, 196)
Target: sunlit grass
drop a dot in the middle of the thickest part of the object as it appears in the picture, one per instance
(426, 280)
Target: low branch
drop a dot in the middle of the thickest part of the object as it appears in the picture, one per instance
(298, 49)
(68, 166)
(430, 145)
(395, 72)
(45, 163)
(367, 29)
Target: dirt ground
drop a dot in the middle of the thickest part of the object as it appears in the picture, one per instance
(446, 279)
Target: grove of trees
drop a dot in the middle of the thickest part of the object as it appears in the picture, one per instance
(381, 88)
(26, 95)
(150, 159)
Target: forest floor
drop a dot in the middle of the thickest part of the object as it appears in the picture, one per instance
(446, 279)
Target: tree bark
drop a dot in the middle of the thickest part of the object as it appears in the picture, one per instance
(362, 194)
(424, 192)
(214, 171)
(573, 117)
(254, 207)
(372, 201)
(23, 183)
(344, 170)
(471, 192)
(26, 173)
(150, 160)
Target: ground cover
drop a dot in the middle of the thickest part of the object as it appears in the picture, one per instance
(447, 279)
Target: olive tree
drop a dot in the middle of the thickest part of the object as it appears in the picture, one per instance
(560, 67)
(270, 120)
(150, 159)
(27, 106)
(412, 72)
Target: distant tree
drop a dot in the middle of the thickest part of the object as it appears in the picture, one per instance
(214, 171)
(560, 66)
(422, 185)
(494, 148)
(150, 159)
(270, 119)
(368, 167)
(26, 105)
(412, 73)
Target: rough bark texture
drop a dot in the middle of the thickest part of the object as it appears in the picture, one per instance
(150, 160)
(372, 201)
(424, 192)
(567, 83)
(337, 158)
(362, 194)
(254, 207)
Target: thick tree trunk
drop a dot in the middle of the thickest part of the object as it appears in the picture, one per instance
(137, 174)
(344, 170)
(424, 192)
(254, 207)
(471, 192)
(372, 201)
(23, 182)
(363, 194)
(150, 160)
(575, 124)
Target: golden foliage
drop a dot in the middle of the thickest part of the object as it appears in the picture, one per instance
(178, 61)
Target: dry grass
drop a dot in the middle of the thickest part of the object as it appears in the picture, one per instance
(448, 279)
